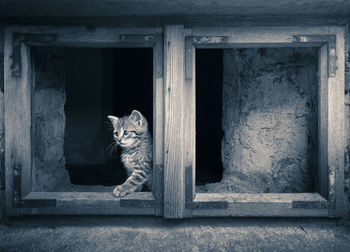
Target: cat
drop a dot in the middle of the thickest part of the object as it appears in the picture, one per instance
(131, 133)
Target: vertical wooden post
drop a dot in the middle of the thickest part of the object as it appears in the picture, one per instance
(2, 133)
(18, 130)
(336, 136)
(190, 124)
(158, 124)
(322, 172)
(174, 186)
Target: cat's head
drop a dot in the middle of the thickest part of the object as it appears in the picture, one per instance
(128, 130)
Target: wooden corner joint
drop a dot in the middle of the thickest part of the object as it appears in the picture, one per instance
(18, 202)
(30, 39)
(330, 41)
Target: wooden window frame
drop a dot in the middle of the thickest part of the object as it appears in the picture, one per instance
(174, 122)
(19, 169)
(180, 199)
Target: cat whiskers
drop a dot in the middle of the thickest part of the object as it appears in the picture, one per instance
(111, 148)
(108, 124)
(110, 145)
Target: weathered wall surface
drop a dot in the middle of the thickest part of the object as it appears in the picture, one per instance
(117, 8)
(347, 119)
(269, 120)
(49, 118)
(121, 233)
(2, 130)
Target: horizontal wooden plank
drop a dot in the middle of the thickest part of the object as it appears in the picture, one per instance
(309, 204)
(260, 210)
(94, 36)
(277, 205)
(91, 196)
(265, 34)
(137, 38)
(137, 203)
(209, 205)
(230, 41)
(86, 210)
(96, 203)
(258, 197)
(254, 45)
(270, 36)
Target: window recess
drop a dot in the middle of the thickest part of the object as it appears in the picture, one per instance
(181, 59)
(60, 84)
(324, 134)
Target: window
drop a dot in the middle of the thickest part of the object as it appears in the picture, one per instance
(326, 198)
(61, 84)
(191, 67)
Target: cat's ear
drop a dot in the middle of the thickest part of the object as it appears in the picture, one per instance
(136, 117)
(114, 120)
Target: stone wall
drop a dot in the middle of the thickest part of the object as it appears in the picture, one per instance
(347, 119)
(2, 130)
(49, 118)
(269, 120)
(68, 109)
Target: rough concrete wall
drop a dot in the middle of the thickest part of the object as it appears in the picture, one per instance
(148, 234)
(171, 8)
(347, 120)
(269, 120)
(2, 130)
(49, 118)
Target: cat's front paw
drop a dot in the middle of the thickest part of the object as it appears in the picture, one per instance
(120, 191)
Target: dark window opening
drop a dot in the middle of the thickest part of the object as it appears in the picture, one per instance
(256, 120)
(125, 83)
(75, 90)
(209, 67)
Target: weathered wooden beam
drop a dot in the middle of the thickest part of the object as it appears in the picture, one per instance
(174, 186)
(336, 129)
(322, 170)
(158, 124)
(18, 128)
(83, 203)
(190, 123)
(266, 204)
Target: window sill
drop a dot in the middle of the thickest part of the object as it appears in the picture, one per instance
(89, 203)
(263, 204)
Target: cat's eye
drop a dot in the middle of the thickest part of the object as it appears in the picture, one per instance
(115, 134)
(126, 132)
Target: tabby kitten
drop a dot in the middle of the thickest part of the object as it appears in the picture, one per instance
(132, 135)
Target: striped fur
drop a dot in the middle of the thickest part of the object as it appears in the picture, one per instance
(132, 135)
